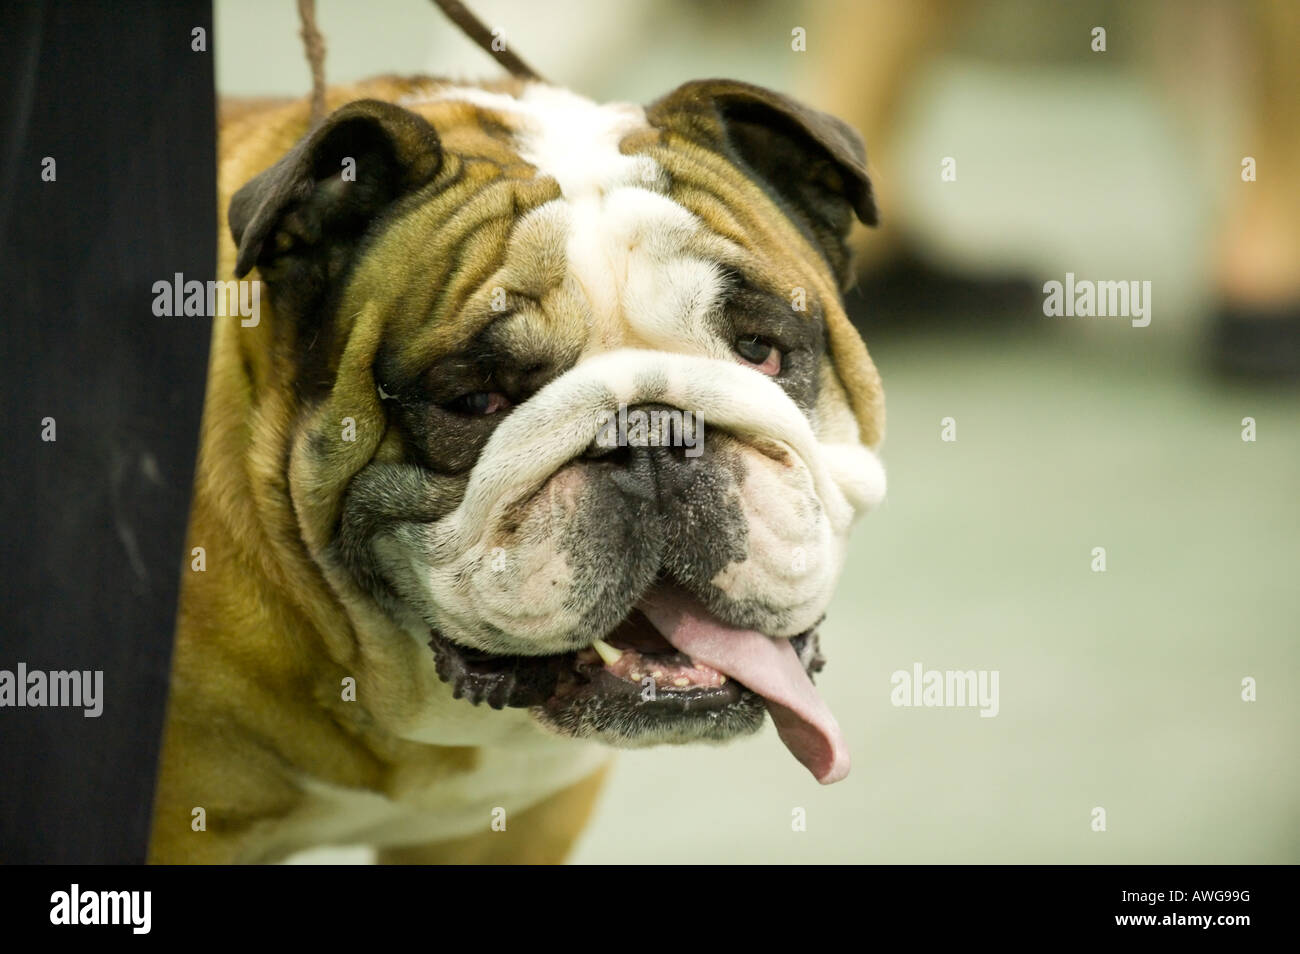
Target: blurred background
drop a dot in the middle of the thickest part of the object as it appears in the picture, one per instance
(1120, 689)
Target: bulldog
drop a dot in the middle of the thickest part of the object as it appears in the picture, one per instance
(432, 588)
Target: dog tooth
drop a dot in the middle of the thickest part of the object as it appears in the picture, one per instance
(607, 652)
(722, 681)
(658, 673)
(681, 681)
(635, 675)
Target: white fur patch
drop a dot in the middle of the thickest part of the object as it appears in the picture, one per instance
(458, 806)
(615, 210)
(566, 136)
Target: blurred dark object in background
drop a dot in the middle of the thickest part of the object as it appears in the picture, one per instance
(94, 520)
(907, 294)
(1257, 343)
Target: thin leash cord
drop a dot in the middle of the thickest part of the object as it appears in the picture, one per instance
(314, 45)
(473, 27)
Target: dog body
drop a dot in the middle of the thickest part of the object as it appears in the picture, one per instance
(403, 504)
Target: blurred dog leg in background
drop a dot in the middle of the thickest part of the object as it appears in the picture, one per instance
(1257, 327)
(877, 51)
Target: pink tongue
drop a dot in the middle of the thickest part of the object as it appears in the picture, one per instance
(768, 666)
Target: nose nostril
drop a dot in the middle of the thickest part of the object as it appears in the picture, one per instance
(618, 455)
(656, 433)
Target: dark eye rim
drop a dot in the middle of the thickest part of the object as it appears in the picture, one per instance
(464, 404)
(763, 341)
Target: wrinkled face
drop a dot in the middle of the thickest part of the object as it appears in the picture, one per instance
(606, 455)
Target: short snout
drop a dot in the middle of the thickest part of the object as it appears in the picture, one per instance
(632, 466)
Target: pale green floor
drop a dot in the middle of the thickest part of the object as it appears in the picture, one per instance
(1118, 689)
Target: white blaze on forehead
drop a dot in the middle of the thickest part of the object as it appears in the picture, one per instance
(567, 136)
(575, 141)
(625, 238)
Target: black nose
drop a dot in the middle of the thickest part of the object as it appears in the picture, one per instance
(670, 431)
(658, 449)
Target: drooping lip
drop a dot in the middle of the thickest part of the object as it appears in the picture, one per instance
(556, 681)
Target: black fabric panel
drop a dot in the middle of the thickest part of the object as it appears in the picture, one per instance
(93, 523)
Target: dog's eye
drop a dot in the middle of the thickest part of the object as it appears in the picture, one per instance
(479, 403)
(760, 353)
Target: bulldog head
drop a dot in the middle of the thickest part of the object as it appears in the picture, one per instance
(610, 424)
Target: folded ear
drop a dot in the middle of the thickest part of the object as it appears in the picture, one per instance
(812, 163)
(300, 220)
